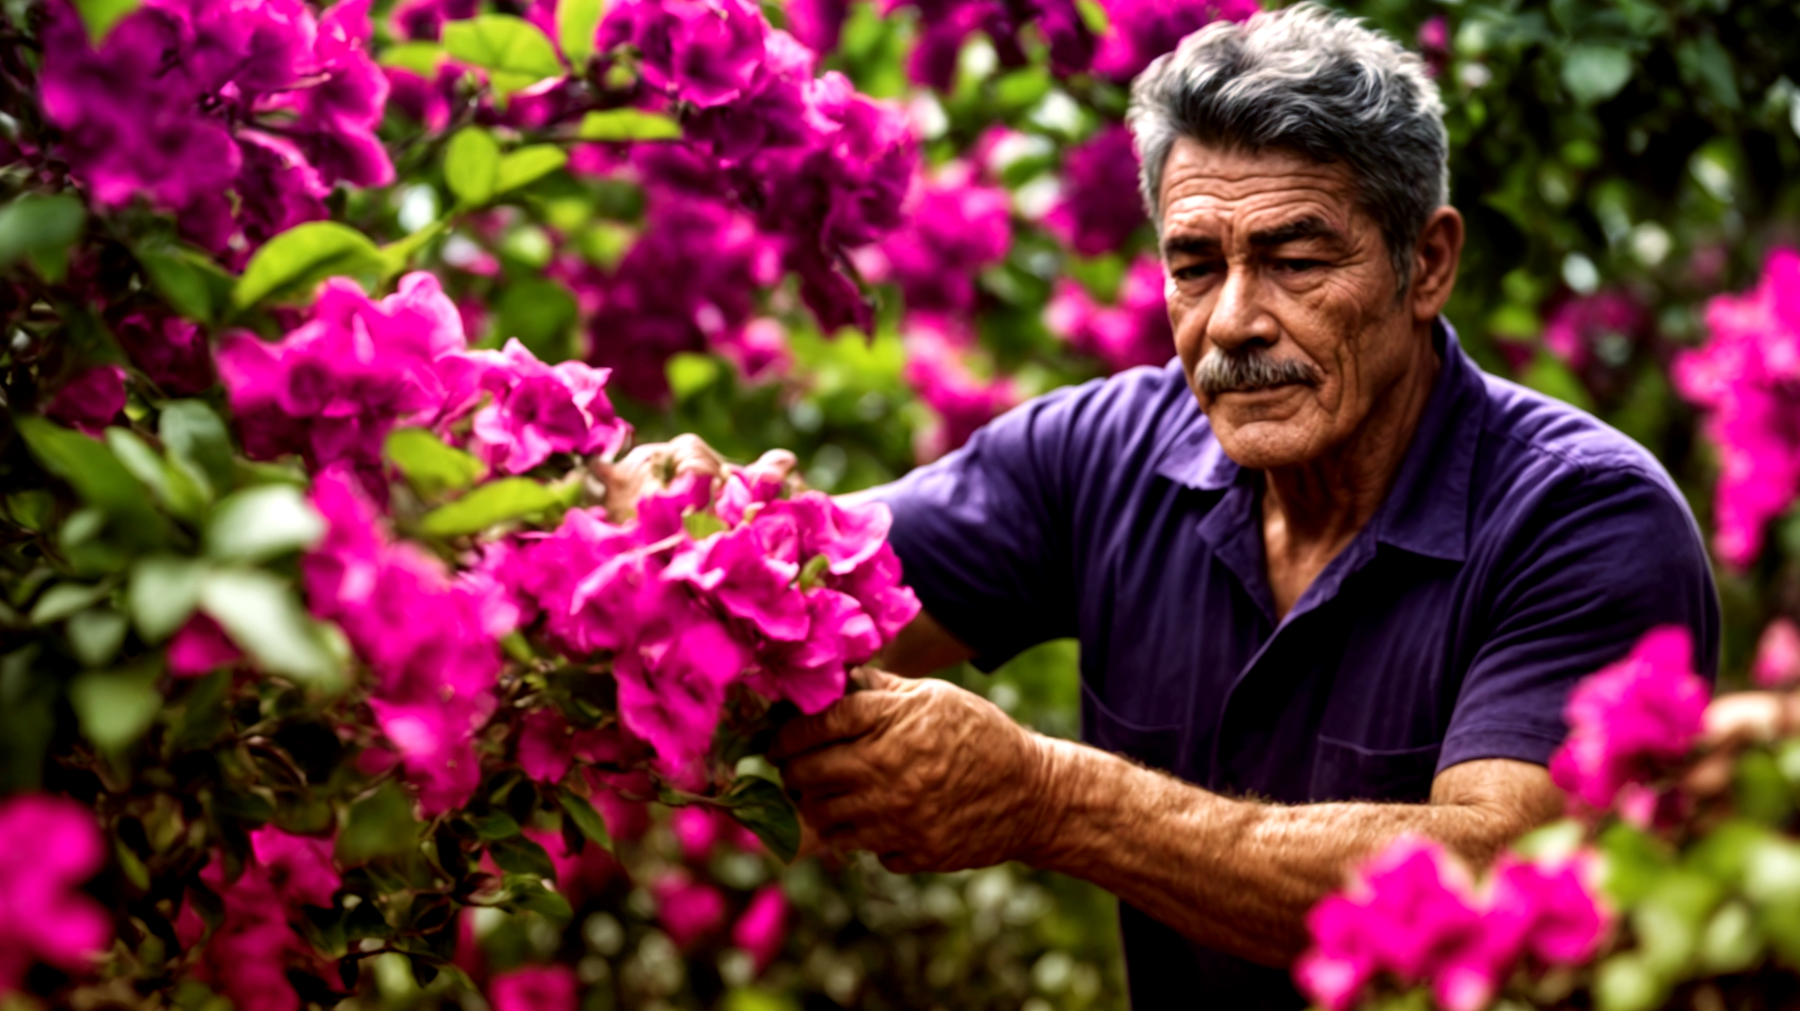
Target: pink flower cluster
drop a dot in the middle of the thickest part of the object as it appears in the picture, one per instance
(937, 368)
(431, 641)
(335, 386)
(1606, 323)
(49, 847)
(1099, 207)
(956, 225)
(1133, 331)
(946, 24)
(1412, 917)
(1746, 379)
(700, 593)
(1142, 30)
(1777, 663)
(1630, 726)
(824, 167)
(247, 954)
(237, 116)
(90, 400)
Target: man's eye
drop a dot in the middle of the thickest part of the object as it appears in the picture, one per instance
(1193, 271)
(1299, 266)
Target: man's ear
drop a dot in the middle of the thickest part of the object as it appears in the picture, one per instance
(1434, 263)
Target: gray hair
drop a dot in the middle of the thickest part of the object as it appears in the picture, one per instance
(1309, 81)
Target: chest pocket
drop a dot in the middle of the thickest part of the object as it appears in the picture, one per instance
(1157, 747)
(1346, 771)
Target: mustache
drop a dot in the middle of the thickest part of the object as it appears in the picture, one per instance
(1250, 367)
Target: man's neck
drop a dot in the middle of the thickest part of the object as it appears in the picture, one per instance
(1312, 512)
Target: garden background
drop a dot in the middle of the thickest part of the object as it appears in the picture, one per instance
(631, 192)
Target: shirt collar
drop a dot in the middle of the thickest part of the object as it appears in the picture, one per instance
(1426, 511)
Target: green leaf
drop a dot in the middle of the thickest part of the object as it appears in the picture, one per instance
(196, 439)
(487, 505)
(263, 522)
(527, 165)
(701, 524)
(512, 50)
(577, 22)
(32, 508)
(177, 490)
(163, 592)
(431, 467)
(36, 224)
(585, 818)
(689, 373)
(1094, 16)
(195, 286)
(291, 265)
(494, 825)
(812, 574)
(528, 892)
(628, 124)
(422, 58)
(101, 15)
(471, 165)
(379, 825)
(1707, 66)
(95, 635)
(1626, 983)
(115, 707)
(1759, 789)
(763, 808)
(1593, 73)
(64, 599)
(262, 616)
(542, 314)
(520, 855)
(95, 474)
(1550, 375)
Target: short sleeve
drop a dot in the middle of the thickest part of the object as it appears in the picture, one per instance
(983, 533)
(1594, 564)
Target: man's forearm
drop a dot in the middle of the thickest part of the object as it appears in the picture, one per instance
(1238, 875)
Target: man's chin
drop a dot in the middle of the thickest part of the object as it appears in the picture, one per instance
(1264, 443)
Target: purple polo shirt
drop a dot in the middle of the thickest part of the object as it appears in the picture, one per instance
(1523, 545)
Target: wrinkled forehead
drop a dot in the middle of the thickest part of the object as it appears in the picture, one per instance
(1228, 190)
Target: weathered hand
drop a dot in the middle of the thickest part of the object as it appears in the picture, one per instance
(924, 774)
(655, 464)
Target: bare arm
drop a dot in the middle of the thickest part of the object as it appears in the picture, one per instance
(931, 777)
(1238, 875)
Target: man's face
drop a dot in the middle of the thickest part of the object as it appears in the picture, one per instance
(1281, 295)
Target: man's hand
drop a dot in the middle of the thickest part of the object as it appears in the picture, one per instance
(655, 464)
(924, 774)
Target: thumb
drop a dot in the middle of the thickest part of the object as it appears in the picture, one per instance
(873, 679)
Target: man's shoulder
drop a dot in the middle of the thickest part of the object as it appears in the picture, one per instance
(1528, 431)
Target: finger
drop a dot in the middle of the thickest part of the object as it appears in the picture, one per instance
(828, 772)
(846, 719)
(779, 462)
(831, 814)
(1742, 718)
(875, 679)
(689, 454)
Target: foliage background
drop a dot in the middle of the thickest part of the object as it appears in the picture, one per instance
(1648, 151)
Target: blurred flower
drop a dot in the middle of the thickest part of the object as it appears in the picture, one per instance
(687, 909)
(1134, 331)
(172, 351)
(1142, 30)
(90, 400)
(1630, 723)
(299, 868)
(762, 929)
(49, 847)
(1777, 661)
(1742, 379)
(956, 225)
(817, 23)
(1607, 323)
(1099, 207)
(760, 349)
(534, 988)
(200, 647)
(946, 24)
(704, 52)
(963, 402)
(1434, 43)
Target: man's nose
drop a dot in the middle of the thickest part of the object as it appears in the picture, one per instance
(1238, 316)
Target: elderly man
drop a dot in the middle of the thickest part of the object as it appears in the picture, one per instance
(1332, 583)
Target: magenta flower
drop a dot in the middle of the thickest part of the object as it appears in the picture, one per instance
(956, 226)
(200, 647)
(687, 909)
(49, 847)
(1607, 323)
(1632, 723)
(90, 400)
(246, 956)
(541, 409)
(298, 867)
(762, 928)
(173, 352)
(1133, 332)
(534, 988)
(1099, 207)
(1740, 380)
(705, 52)
(1142, 30)
(937, 369)
(1777, 661)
